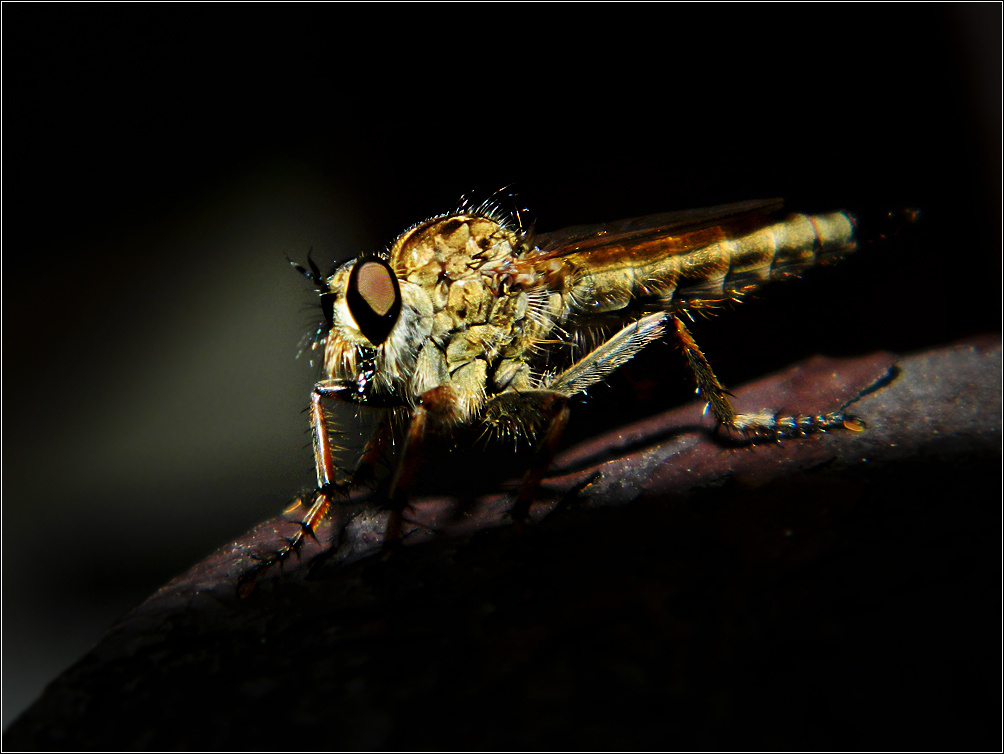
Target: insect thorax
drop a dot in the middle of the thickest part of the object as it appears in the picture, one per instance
(467, 323)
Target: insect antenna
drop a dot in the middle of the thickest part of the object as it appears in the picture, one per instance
(312, 340)
(313, 274)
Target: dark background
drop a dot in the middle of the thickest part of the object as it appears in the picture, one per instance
(160, 160)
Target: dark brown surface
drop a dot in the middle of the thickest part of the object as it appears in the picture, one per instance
(684, 592)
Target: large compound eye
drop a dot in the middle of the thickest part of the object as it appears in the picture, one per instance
(374, 299)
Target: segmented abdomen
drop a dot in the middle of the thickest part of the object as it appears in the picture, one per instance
(720, 270)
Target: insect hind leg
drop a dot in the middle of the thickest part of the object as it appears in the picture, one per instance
(764, 424)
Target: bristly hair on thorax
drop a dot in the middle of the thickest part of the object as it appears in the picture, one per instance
(494, 207)
(500, 206)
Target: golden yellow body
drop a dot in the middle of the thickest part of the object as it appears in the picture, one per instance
(468, 319)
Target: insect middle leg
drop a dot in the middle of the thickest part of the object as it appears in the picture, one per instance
(435, 408)
(763, 424)
(544, 412)
(540, 413)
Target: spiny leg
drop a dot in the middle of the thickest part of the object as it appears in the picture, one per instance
(323, 462)
(546, 410)
(436, 404)
(555, 410)
(372, 454)
(439, 406)
(317, 510)
(324, 466)
(404, 474)
(763, 424)
(533, 412)
(319, 503)
(377, 453)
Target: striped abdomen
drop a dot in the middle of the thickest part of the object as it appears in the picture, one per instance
(722, 268)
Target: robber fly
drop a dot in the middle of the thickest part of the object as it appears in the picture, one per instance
(470, 319)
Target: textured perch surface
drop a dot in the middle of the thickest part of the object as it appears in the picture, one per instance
(677, 591)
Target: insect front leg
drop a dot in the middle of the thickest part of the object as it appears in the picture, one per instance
(323, 462)
(763, 424)
(319, 503)
(373, 454)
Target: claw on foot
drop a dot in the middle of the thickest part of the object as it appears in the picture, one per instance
(320, 503)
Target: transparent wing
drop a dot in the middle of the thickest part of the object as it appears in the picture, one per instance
(650, 237)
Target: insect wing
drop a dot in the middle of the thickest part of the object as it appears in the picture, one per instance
(652, 236)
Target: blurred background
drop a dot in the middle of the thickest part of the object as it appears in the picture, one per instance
(160, 160)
